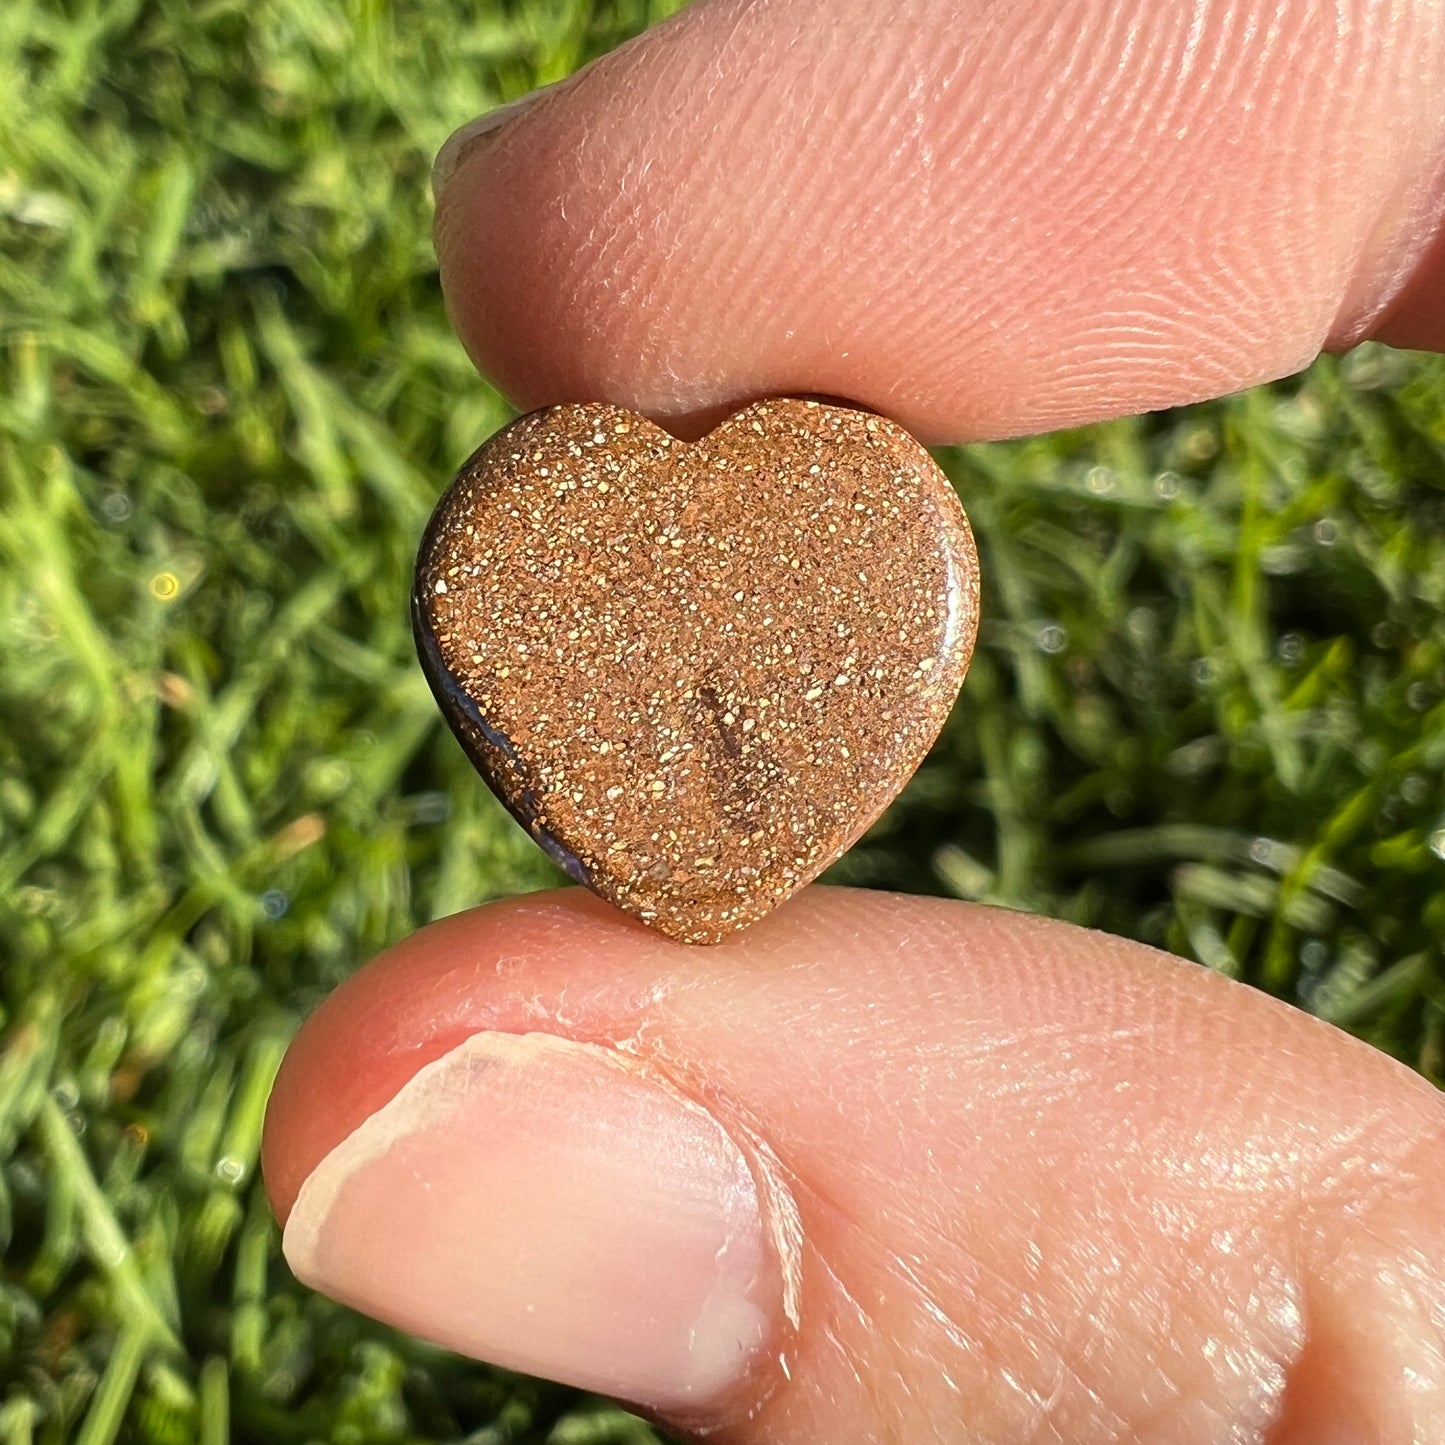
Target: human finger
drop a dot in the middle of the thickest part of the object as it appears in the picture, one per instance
(880, 1168)
(981, 219)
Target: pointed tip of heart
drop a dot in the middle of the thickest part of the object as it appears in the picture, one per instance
(697, 672)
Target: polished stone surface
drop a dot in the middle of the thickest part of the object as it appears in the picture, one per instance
(697, 672)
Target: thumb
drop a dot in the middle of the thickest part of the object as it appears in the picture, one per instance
(878, 1169)
(981, 219)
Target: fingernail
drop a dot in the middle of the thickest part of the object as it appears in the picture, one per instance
(555, 1208)
(463, 141)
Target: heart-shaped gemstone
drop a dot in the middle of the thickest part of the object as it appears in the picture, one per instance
(697, 672)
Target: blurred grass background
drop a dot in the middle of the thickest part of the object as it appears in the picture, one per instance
(1208, 709)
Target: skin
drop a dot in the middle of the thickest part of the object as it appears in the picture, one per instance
(1051, 1186)
(981, 219)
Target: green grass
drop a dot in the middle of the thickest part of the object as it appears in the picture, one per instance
(1208, 709)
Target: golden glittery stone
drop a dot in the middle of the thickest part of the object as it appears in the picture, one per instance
(697, 672)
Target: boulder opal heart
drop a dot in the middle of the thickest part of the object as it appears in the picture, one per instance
(697, 672)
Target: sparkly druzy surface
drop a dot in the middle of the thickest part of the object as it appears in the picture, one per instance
(697, 672)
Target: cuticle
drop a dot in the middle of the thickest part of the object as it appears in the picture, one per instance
(782, 1228)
